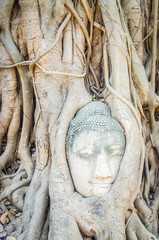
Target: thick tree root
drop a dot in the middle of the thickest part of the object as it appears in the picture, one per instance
(83, 27)
(63, 25)
(8, 85)
(8, 156)
(26, 89)
(20, 169)
(30, 225)
(18, 198)
(148, 215)
(112, 236)
(8, 191)
(44, 235)
(136, 230)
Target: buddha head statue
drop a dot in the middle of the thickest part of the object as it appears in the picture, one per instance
(95, 146)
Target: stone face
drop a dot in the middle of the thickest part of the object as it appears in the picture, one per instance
(95, 146)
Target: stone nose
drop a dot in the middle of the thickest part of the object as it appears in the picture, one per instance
(102, 168)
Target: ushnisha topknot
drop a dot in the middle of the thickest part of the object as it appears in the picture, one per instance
(94, 116)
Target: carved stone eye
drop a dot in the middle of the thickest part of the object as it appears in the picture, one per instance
(86, 152)
(115, 151)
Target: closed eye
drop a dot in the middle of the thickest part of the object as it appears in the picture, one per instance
(115, 151)
(86, 152)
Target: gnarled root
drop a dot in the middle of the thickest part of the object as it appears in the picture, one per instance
(8, 156)
(112, 236)
(147, 215)
(137, 231)
(8, 93)
(18, 197)
(44, 235)
(15, 55)
(35, 209)
(8, 191)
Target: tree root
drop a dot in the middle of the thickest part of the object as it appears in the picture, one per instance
(44, 235)
(97, 45)
(61, 28)
(27, 98)
(154, 46)
(8, 156)
(152, 164)
(77, 44)
(84, 29)
(5, 12)
(138, 70)
(40, 212)
(63, 231)
(61, 73)
(89, 15)
(60, 185)
(155, 203)
(87, 9)
(136, 230)
(145, 37)
(18, 198)
(20, 169)
(112, 235)
(88, 39)
(8, 191)
(152, 100)
(32, 222)
(44, 70)
(5, 210)
(23, 63)
(9, 85)
(123, 99)
(133, 14)
(147, 215)
(13, 227)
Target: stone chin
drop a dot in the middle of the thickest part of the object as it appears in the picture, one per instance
(95, 190)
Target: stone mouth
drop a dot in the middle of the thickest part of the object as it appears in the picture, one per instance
(101, 184)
